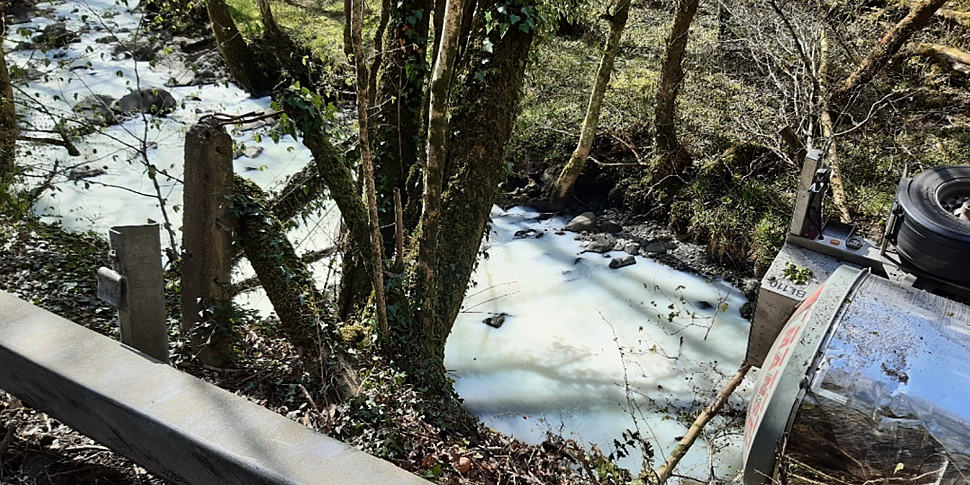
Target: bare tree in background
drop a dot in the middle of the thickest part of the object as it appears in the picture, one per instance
(673, 157)
(566, 183)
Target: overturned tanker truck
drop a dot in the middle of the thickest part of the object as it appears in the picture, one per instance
(864, 349)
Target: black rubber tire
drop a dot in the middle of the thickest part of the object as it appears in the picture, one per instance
(930, 238)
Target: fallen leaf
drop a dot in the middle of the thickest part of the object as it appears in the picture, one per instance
(464, 465)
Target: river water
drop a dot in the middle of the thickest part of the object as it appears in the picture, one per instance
(585, 351)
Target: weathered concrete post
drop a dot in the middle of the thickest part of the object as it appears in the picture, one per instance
(207, 237)
(138, 257)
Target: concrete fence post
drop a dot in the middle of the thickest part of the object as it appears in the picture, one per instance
(207, 239)
(137, 257)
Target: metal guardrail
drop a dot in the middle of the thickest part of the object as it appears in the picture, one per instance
(180, 428)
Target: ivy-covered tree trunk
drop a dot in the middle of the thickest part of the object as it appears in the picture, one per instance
(237, 54)
(304, 314)
(436, 152)
(8, 128)
(480, 127)
(401, 80)
(566, 183)
(673, 157)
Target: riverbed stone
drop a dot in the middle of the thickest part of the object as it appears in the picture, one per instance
(55, 35)
(657, 248)
(96, 109)
(583, 222)
(622, 261)
(139, 50)
(601, 243)
(248, 151)
(609, 226)
(631, 247)
(154, 101)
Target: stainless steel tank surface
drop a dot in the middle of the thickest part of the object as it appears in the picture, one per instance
(868, 382)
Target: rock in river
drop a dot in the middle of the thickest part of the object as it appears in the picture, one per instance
(583, 222)
(622, 261)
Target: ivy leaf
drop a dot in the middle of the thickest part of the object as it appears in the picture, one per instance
(513, 18)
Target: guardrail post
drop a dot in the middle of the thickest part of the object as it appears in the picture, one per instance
(207, 240)
(811, 164)
(141, 310)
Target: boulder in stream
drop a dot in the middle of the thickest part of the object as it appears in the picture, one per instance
(152, 101)
(622, 261)
(583, 222)
(96, 109)
(601, 243)
(55, 35)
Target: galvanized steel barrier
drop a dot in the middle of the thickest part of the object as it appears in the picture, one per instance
(180, 428)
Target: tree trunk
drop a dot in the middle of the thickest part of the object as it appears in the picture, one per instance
(370, 191)
(399, 100)
(303, 312)
(270, 28)
(828, 135)
(566, 183)
(239, 58)
(436, 153)
(8, 128)
(480, 129)
(674, 159)
(885, 50)
(339, 179)
(951, 59)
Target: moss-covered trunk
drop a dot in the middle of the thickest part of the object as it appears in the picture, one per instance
(239, 58)
(480, 127)
(399, 98)
(367, 163)
(566, 182)
(436, 152)
(8, 128)
(355, 285)
(672, 155)
(304, 314)
(270, 28)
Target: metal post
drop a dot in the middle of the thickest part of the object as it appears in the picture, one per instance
(813, 161)
(138, 257)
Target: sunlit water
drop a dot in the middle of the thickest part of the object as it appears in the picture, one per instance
(585, 351)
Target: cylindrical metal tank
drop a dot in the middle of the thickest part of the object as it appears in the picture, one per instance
(869, 382)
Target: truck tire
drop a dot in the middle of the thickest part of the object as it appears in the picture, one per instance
(930, 237)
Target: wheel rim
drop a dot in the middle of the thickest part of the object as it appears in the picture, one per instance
(954, 199)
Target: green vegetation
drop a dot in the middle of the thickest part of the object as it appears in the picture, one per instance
(737, 197)
(315, 25)
(797, 274)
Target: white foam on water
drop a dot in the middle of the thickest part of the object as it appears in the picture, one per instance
(579, 338)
